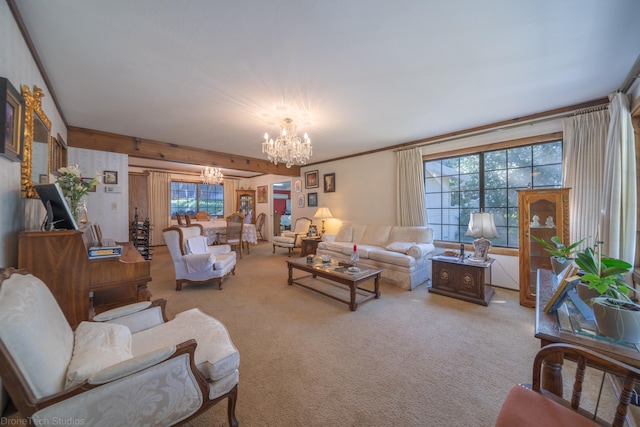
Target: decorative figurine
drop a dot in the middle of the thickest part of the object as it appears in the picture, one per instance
(536, 221)
(549, 223)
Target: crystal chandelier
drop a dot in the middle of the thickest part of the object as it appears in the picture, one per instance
(288, 147)
(211, 176)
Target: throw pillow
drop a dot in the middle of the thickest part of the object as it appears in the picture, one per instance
(97, 346)
(402, 247)
(345, 233)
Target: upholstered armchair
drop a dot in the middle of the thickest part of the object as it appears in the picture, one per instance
(195, 262)
(292, 238)
(130, 366)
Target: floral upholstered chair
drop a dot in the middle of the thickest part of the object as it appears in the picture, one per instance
(129, 366)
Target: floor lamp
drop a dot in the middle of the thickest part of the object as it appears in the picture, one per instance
(481, 226)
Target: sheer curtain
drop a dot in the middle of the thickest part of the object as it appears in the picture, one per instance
(585, 137)
(618, 220)
(411, 210)
(159, 205)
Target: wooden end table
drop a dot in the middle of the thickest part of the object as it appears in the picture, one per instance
(309, 245)
(463, 280)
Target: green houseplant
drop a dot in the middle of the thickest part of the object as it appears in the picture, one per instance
(617, 316)
(561, 255)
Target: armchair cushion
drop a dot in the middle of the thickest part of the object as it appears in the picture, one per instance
(215, 355)
(97, 346)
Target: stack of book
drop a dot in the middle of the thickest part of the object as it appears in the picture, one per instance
(105, 251)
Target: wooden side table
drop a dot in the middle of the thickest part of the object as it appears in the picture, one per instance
(463, 280)
(309, 245)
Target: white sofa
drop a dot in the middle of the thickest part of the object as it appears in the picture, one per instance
(402, 253)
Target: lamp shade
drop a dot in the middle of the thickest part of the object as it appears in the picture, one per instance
(323, 213)
(482, 225)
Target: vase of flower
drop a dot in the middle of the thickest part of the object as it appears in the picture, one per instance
(74, 189)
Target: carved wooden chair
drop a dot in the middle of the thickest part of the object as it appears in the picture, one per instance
(260, 220)
(292, 238)
(193, 260)
(233, 234)
(202, 216)
(130, 366)
(532, 405)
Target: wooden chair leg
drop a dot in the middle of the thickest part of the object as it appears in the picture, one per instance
(231, 406)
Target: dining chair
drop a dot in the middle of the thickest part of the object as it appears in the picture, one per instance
(233, 234)
(260, 224)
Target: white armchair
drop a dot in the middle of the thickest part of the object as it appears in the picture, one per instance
(195, 262)
(133, 367)
(292, 238)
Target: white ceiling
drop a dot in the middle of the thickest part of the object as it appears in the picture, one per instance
(357, 75)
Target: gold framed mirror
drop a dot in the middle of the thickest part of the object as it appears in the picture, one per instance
(37, 136)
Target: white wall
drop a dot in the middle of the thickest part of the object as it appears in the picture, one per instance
(109, 209)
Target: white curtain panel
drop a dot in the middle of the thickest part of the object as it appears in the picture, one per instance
(230, 186)
(159, 202)
(411, 210)
(585, 137)
(618, 220)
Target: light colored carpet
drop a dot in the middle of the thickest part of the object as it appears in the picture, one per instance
(410, 358)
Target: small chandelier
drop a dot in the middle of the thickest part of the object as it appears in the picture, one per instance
(211, 176)
(288, 147)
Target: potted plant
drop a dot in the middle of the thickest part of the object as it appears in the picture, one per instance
(617, 316)
(561, 255)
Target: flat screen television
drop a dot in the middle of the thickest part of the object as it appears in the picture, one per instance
(58, 212)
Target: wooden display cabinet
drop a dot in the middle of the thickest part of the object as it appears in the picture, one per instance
(246, 203)
(551, 206)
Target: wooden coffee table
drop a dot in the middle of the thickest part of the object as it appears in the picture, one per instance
(338, 274)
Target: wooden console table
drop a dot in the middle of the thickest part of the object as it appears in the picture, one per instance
(548, 331)
(463, 280)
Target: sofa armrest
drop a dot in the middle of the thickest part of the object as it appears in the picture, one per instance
(420, 250)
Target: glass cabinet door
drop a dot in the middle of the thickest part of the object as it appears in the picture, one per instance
(542, 213)
(246, 200)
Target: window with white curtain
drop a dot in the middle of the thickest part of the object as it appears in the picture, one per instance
(489, 181)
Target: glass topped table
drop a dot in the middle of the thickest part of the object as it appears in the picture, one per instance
(338, 273)
(569, 326)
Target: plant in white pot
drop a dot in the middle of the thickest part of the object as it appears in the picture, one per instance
(617, 316)
(561, 255)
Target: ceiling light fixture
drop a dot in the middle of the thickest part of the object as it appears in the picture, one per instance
(288, 147)
(212, 176)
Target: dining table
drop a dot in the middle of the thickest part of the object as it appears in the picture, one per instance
(216, 226)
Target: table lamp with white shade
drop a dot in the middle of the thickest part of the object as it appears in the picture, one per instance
(323, 213)
(481, 226)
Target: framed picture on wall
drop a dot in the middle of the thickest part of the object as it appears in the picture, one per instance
(12, 121)
(262, 193)
(329, 182)
(312, 200)
(110, 177)
(301, 201)
(311, 179)
(298, 185)
(92, 189)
